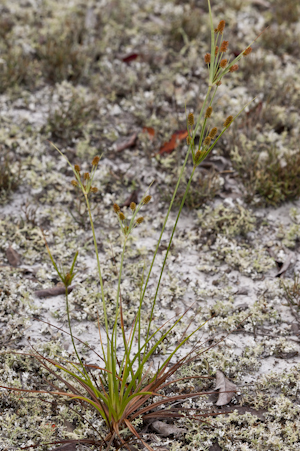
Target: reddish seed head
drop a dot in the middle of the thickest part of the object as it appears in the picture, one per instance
(223, 63)
(191, 119)
(197, 156)
(146, 200)
(207, 141)
(116, 208)
(224, 46)
(221, 26)
(216, 50)
(247, 51)
(95, 161)
(228, 121)
(207, 58)
(208, 112)
(219, 83)
(86, 176)
(234, 68)
(213, 132)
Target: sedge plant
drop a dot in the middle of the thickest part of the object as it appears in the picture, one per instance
(125, 386)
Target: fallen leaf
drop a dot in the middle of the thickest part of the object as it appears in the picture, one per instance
(150, 131)
(130, 57)
(14, 259)
(285, 265)
(55, 291)
(215, 447)
(227, 389)
(165, 429)
(242, 291)
(68, 447)
(170, 145)
(125, 144)
(295, 328)
(133, 197)
(262, 3)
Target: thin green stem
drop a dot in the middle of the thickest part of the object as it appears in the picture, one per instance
(98, 263)
(72, 338)
(168, 249)
(159, 240)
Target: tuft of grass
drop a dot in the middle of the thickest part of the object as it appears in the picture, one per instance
(15, 68)
(9, 177)
(280, 40)
(274, 179)
(68, 116)
(62, 54)
(125, 387)
(185, 28)
(204, 187)
(285, 11)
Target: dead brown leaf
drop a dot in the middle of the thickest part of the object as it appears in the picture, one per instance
(13, 257)
(170, 145)
(126, 144)
(285, 265)
(226, 387)
(165, 429)
(133, 197)
(150, 131)
(55, 291)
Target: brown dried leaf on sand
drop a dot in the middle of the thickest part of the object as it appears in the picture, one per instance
(55, 291)
(165, 429)
(13, 257)
(122, 145)
(227, 389)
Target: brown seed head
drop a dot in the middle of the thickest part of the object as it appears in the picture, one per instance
(74, 183)
(68, 280)
(223, 63)
(95, 161)
(191, 119)
(234, 68)
(208, 112)
(121, 216)
(146, 200)
(197, 156)
(207, 58)
(247, 51)
(219, 83)
(207, 141)
(216, 50)
(94, 189)
(86, 176)
(224, 46)
(116, 208)
(133, 206)
(228, 121)
(213, 132)
(77, 168)
(221, 26)
(140, 220)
